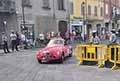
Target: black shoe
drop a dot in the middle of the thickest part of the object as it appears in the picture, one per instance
(17, 50)
(5, 52)
(9, 52)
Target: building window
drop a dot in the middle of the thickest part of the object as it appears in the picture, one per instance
(101, 11)
(71, 7)
(46, 4)
(82, 10)
(61, 5)
(89, 10)
(95, 11)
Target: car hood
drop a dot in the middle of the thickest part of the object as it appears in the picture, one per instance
(51, 48)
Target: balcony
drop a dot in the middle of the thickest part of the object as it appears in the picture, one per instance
(95, 18)
(7, 6)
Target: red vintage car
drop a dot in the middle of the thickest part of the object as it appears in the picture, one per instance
(56, 50)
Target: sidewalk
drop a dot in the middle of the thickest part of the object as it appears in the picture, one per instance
(1, 52)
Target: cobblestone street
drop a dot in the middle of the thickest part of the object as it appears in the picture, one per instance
(22, 66)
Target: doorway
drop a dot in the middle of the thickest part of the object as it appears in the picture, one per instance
(62, 28)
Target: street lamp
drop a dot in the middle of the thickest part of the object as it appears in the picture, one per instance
(24, 28)
(23, 14)
(83, 13)
(114, 16)
(17, 20)
(70, 9)
(54, 15)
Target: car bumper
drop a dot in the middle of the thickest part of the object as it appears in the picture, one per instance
(46, 60)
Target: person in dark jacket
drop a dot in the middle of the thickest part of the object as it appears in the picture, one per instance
(18, 39)
(5, 43)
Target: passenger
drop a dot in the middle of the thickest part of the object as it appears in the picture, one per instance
(73, 34)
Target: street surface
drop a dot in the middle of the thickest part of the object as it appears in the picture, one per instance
(22, 66)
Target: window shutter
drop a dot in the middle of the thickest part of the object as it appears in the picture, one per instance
(26, 3)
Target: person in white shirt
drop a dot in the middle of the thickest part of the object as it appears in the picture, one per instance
(95, 39)
(113, 38)
(13, 37)
(23, 37)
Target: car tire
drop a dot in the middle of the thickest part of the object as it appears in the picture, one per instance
(71, 51)
(39, 61)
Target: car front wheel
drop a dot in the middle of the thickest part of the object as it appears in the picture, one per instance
(39, 61)
(61, 59)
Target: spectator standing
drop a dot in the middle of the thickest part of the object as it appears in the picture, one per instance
(113, 38)
(24, 41)
(18, 39)
(73, 36)
(13, 37)
(67, 37)
(48, 37)
(95, 39)
(103, 35)
(42, 38)
(5, 43)
(23, 38)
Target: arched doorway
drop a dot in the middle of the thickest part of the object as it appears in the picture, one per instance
(63, 28)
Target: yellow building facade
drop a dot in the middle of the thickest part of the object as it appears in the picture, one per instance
(90, 13)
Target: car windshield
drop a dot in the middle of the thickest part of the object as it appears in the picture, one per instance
(56, 41)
